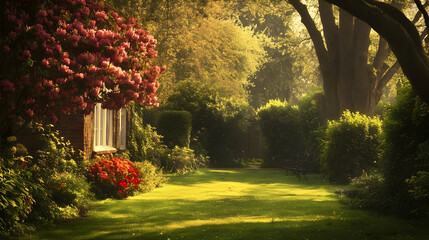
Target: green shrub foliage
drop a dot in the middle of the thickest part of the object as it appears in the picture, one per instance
(406, 131)
(59, 169)
(352, 145)
(281, 127)
(200, 100)
(183, 160)
(313, 130)
(176, 128)
(419, 191)
(403, 186)
(71, 193)
(219, 125)
(368, 192)
(151, 175)
(16, 186)
(406, 150)
(48, 186)
(143, 142)
(227, 139)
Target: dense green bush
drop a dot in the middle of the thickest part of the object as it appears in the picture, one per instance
(68, 189)
(48, 186)
(382, 108)
(219, 126)
(151, 175)
(176, 128)
(183, 160)
(281, 127)
(419, 191)
(200, 100)
(313, 130)
(406, 149)
(406, 130)
(403, 188)
(368, 192)
(352, 145)
(227, 138)
(56, 154)
(16, 185)
(143, 142)
(57, 162)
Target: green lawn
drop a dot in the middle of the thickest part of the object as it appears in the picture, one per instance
(235, 204)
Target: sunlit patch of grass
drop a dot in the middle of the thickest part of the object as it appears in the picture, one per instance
(235, 204)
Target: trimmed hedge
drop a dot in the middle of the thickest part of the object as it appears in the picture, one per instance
(352, 145)
(281, 127)
(219, 126)
(176, 128)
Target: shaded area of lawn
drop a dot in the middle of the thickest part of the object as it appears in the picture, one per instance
(235, 204)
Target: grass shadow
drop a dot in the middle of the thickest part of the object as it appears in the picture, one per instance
(235, 204)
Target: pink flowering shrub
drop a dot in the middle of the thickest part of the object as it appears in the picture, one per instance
(114, 177)
(64, 56)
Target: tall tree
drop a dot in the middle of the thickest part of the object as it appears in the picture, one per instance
(199, 41)
(349, 80)
(290, 57)
(400, 33)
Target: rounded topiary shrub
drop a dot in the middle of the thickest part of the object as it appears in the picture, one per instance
(352, 145)
(176, 128)
(282, 130)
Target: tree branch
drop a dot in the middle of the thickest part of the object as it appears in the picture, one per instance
(384, 50)
(330, 28)
(400, 33)
(387, 76)
(381, 55)
(316, 36)
(423, 11)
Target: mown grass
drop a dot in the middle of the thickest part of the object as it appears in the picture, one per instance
(235, 204)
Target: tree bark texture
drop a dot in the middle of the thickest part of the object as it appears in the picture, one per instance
(349, 81)
(401, 35)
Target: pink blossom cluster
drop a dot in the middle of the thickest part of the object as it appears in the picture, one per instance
(65, 56)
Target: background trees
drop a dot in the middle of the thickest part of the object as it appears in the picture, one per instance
(283, 75)
(201, 42)
(269, 64)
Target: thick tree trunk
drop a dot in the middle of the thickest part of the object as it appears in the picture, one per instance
(348, 80)
(400, 33)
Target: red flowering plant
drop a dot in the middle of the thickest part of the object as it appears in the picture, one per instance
(63, 56)
(114, 177)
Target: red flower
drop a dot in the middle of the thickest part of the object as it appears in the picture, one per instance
(121, 174)
(26, 54)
